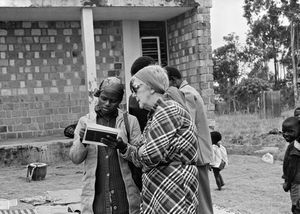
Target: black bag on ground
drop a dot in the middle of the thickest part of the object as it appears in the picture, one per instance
(69, 130)
(136, 172)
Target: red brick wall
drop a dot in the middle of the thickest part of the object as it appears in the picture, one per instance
(42, 82)
(189, 42)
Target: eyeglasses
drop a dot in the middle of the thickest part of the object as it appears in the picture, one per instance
(134, 87)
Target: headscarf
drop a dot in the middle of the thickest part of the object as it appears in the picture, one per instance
(112, 85)
(155, 77)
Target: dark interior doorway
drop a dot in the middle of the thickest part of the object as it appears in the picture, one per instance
(153, 40)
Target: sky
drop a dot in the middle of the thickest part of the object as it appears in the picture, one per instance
(227, 17)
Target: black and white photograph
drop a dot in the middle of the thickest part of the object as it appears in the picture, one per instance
(150, 106)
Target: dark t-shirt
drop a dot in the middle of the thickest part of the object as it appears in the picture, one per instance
(135, 110)
(291, 165)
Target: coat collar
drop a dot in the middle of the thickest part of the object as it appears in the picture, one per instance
(295, 151)
(92, 116)
(184, 83)
(297, 144)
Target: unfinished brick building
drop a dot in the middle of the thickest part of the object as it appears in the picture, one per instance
(52, 52)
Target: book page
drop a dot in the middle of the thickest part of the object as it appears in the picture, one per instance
(94, 133)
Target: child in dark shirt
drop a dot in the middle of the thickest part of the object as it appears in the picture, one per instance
(291, 162)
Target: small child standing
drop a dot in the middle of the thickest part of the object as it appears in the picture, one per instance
(220, 158)
(291, 162)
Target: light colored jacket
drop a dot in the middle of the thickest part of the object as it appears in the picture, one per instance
(219, 154)
(195, 105)
(88, 155)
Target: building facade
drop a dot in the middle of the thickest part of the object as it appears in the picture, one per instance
(54, 53)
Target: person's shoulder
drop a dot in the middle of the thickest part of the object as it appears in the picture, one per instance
(214, 146)
(84, 117)
(168, 106)
(172, 104)
(221, 146)
(188, 87)
(289, 148)
(191, 91)
(131, 117)
(122, 113)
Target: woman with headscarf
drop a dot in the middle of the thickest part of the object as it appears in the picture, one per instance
(167, 150)
(108, 187)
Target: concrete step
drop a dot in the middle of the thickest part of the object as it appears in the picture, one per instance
(44, 149)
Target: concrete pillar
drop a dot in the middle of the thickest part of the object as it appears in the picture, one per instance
(88, 42)
(132, 49)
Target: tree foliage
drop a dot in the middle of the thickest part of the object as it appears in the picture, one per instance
(226, 65)
(248, 91)
(274, 35)
(267, 34)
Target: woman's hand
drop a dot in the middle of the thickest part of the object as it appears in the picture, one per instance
(141, 150)
(114, 143)
(286, 186)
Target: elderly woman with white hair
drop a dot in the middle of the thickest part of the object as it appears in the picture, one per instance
(168, 147)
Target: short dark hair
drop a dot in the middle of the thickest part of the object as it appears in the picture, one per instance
(292, 120)
(215, 137)
(173, 72)
(140, 63)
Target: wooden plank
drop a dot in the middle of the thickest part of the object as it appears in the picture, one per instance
(88, 42)
(270, 104)
(132, 49)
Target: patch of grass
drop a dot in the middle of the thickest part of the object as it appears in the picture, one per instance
(246, 133)
(251, 185)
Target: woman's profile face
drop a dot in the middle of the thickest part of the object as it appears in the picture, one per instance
(143, 94)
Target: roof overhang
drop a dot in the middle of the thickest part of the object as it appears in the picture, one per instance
(99, 13)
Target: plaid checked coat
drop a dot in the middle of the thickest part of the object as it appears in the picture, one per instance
(170, 182)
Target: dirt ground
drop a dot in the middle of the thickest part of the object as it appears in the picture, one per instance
(251, 186)
(62, 176)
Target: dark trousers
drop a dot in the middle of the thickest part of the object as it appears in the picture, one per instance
(204, 196)
(295, 209)
(218, 177)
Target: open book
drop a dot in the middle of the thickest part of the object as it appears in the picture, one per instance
(94, 133)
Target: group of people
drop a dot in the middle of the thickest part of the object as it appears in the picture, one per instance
(159, 163)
